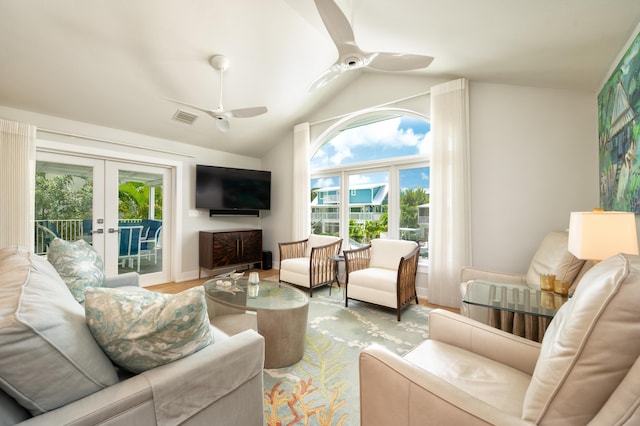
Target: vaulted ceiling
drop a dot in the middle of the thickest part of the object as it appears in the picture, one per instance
(115, 63)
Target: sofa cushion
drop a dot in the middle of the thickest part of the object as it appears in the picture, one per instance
(553, 257)
(374, 285)
(78, 264)
(591, 343)
(48, 357)
(11, 412)
(295, 271)
(387, 253)
(319, 240)
(141, 329)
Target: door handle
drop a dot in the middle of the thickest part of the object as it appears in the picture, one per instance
(98, 231)
(113, 230)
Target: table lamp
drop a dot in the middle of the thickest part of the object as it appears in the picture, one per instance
(599, 234)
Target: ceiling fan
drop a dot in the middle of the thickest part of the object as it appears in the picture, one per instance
(350, 56)
(221, 63)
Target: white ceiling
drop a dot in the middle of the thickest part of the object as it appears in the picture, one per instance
(113, 63)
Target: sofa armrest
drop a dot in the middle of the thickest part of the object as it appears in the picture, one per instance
(130, 279)
(471, 273)
(398, 392)
(474, 336)
(181, 391)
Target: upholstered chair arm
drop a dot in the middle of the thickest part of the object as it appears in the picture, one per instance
(129, 279)
(471, 273)
(356, 259)
(407, 277)
(293, 249)
(321, 268)
(474, 336)
(394, 391)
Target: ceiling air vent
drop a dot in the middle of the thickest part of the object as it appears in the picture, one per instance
(184, 117)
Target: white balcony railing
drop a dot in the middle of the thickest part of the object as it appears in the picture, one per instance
(67, 229)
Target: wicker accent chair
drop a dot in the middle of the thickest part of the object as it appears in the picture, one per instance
(383, 273)
(306, 263)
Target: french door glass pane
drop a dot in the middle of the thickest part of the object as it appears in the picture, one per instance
(139, 222)
(414, 207)
(63, 203)
(368, 206)
(325, 205)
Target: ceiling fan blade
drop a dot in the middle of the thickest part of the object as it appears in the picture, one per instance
(325, 77)
(247, 112)
(208, 111)
(386, 61)
(337, 26)
(222, 124)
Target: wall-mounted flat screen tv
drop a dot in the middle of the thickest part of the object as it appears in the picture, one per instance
(225, 189)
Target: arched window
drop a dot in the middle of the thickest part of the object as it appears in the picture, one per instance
(376, 165)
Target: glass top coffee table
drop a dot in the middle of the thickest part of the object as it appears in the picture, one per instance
(282, 313)
(518, 309)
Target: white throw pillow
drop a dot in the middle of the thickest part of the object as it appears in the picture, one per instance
(141, 329)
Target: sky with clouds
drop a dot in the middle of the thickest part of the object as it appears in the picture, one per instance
(395, 137)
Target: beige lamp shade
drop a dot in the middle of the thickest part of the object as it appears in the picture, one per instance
(597, 235)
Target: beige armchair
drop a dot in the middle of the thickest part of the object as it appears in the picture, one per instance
(551, 257)
(383, 273)
(585, 371)
(306, 263)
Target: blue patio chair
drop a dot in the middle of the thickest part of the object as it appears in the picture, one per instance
(46, 231)
(87, 227)
(151, 232)
(130, 241)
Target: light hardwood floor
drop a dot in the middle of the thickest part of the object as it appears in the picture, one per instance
(173, 287)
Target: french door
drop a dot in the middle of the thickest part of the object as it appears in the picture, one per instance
(122, 209)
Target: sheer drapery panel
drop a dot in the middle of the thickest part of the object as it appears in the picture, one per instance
(301, 209)
(17, 184)
(449, 220)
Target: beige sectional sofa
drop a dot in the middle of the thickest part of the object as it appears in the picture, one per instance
(52, 372)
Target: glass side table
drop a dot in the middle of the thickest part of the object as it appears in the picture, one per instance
(518, 309)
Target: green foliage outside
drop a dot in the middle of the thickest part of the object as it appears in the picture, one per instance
(63, 197)
(71, 197)
(133, 199)
(409, 202)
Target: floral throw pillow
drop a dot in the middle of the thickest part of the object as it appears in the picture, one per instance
(78, 264)
(141, 329)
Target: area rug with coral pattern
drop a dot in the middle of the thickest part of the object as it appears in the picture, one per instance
(322, 389)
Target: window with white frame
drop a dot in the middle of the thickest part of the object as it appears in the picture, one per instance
(371, 180)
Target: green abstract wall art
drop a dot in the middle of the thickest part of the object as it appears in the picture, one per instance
(618, 133)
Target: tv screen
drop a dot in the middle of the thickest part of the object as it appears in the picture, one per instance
(224, 188)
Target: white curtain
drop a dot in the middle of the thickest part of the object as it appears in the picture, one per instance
(449, 215)
(17, 184)
(301, 214)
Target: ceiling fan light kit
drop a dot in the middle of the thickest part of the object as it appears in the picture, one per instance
(221, 64)
(350, 56)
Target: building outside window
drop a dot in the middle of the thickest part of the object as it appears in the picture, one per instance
(378, 168)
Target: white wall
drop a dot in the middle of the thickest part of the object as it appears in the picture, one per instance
(185, 235)
(534, 159)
